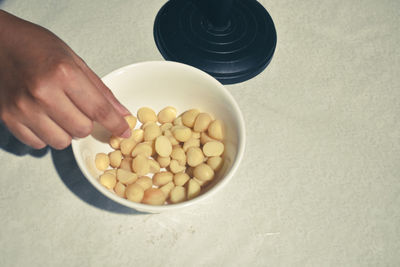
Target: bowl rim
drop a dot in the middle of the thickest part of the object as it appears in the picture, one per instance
(211, 191)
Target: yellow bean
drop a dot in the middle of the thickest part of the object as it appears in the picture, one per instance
(163, 146)
(192, 142)
(181, 133)
(179, 155)
(126, 177)
(162, 178)
(134, 192)
(203, 172)
(144, 125)
(146, 114)
(215, 163)
(177, 194)
(200, 182)
(112, 171)
(108, 180)
(127, 146)
(154, 196)
(102, 161)
(189, 117)
(144, 182)
(216, 130)
(115, 158)
(120, 189)
(167, 114)
(137, 135)
(131, 120)
(166, 126)
(181, 178)
(154, 166)
(205, 138)
(178, 121)
(195, 135)
(171, 137)
(193, 189)
(213, 149)
(115, 141)
(126, 164)
(163, 161)
(202, 121)
(167, 188)
(151, 132)
(194, 156)
(140, 165)
(175, 167)
(143, 149)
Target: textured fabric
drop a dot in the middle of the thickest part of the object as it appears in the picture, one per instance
(319, 183)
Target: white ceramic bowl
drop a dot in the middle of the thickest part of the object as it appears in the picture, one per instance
(159, 84)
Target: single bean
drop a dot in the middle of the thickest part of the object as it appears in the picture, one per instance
(115, 158)
(102, 161)
(177, 194)
(162, 178)
(134, 192)
(146, 114)
(108, 180)
(215, 163)
(127, 146)
(164, 161)
(216, 130)
(120, 189)
(151, 132)
(189, 117)
(154, 196)
(142, 149)
(145, 182)
(131, 120)
(179, 154)
(181, 133)
(194, 156)
(167, 114)
(193, 189)
(175, 167)
(202, 121)
(126, 177)
(181, 178)
(163, 146)
(213, 149)
(140, 165)
(203, 172)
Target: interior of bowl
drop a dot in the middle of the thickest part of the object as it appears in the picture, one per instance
(157, 85)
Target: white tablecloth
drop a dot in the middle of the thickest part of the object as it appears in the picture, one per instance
(319, 184)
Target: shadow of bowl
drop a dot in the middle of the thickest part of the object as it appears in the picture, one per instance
(73, 178)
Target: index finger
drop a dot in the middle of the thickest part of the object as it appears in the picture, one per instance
(91, 101)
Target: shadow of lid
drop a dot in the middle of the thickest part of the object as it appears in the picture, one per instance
(73, 178)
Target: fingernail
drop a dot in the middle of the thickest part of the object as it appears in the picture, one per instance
(126, 134)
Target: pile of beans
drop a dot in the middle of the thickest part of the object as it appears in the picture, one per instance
(168, 159)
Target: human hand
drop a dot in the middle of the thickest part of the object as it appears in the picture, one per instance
(48, 94)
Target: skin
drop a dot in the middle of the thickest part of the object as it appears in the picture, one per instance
(48, 95)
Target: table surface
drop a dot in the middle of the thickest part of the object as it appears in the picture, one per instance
(319, 182)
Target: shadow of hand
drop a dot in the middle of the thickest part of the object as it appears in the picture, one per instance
(73, 178)
(12, 145)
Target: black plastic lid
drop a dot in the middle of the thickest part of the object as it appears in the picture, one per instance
(234, 52)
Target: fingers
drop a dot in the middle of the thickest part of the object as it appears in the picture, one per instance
(64, 113)
(32, 126)
(25, 135)
(49, 131)
(97, 82)
(96, 106)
